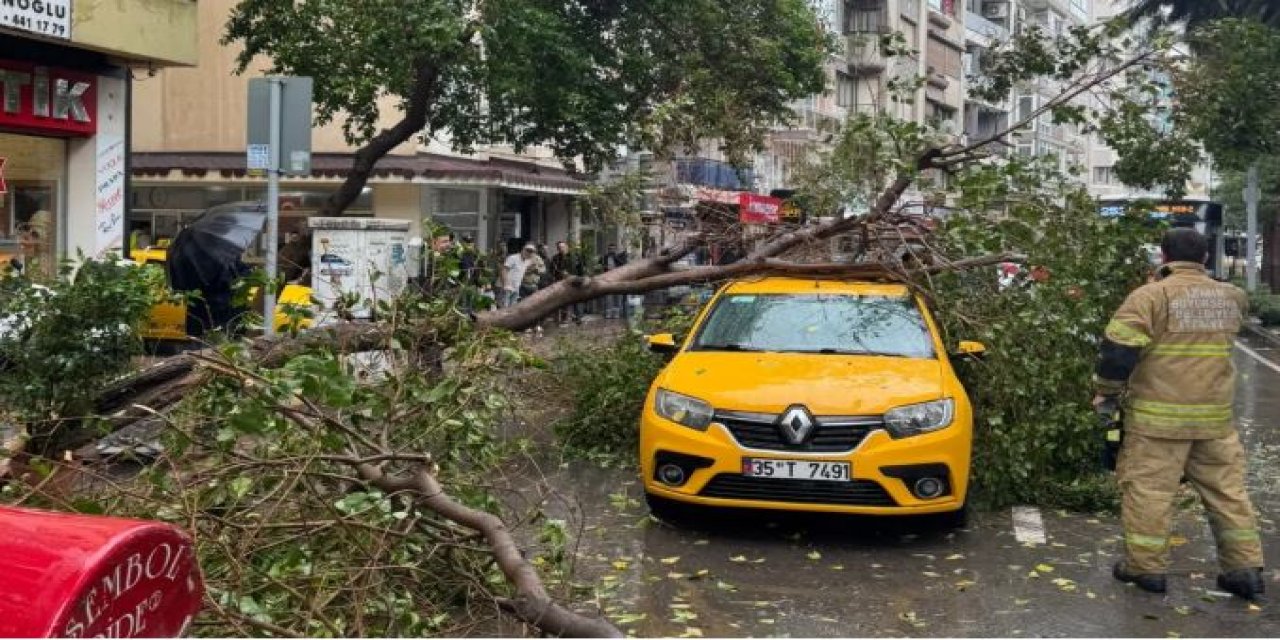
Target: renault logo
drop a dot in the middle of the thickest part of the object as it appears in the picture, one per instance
(796, 424)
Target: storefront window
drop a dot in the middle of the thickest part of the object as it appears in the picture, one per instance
(33, 174)
(459, 211)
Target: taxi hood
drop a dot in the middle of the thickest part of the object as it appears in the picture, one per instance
(828, 384)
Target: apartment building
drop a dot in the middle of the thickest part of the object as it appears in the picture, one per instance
(65, 80)
(189, 154)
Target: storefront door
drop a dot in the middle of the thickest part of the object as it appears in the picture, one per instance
(32, 183)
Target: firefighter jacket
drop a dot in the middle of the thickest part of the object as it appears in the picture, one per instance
(1176, 334)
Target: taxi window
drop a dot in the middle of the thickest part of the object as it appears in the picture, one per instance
(817, 323)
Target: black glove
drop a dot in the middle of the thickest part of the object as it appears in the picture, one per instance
(1111, 419)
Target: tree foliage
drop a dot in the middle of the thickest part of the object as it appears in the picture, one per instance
(580, 77)
(1229, 93)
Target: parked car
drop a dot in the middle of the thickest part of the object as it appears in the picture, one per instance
(168, 320)
(809, 395)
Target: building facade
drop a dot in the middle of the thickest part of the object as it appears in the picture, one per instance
(66, 83)
(189, 154)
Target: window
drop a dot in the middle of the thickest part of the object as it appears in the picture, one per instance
(459, 210)
(944, 59)
(846, 90)
(865, 18)
(31, 208)
(832, 324)
(1026, 105)
(1104, 175)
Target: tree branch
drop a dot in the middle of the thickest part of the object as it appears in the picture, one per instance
(532, 604)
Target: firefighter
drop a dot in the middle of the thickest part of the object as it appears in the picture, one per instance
(1167, 353)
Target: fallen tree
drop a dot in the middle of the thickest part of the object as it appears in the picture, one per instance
(267, 434)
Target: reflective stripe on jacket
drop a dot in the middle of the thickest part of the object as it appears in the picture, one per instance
(1184, 383)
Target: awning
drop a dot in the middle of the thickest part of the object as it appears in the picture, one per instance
(423, 167)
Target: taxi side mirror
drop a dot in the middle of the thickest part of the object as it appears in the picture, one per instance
(664, 343)
(970, 349)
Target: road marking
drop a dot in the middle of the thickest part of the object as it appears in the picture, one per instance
(1028, 527)
(1257, 356)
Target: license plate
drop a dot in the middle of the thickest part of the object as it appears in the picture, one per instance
(796, 469)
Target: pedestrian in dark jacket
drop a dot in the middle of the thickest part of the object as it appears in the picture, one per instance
(566, 264)
(612, 259)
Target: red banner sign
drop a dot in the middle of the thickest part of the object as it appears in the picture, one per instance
(47, 100)
(757, 209)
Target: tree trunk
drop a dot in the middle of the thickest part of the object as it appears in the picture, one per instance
(416, 111)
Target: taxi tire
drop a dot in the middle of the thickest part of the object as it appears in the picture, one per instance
(958, 519)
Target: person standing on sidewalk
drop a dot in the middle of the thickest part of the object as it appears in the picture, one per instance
(514, 269)
(612, 259)
(567, 264)
(1167, 352)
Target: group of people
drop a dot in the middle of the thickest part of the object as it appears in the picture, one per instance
(525, 272)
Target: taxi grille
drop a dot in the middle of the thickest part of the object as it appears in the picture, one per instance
(865, 493)
(831, 434)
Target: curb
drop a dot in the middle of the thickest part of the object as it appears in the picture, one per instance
(1259, 331)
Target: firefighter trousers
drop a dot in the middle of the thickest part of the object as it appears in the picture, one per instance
(1149, 472)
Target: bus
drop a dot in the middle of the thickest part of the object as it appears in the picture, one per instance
(1201, 214)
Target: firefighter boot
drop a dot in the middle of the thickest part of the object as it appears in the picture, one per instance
(1152, 582)
(1245, 583)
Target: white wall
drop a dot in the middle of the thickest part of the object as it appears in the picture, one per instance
(399, 202)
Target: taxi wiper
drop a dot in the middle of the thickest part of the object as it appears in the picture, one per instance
(728, 346)
(857, 352)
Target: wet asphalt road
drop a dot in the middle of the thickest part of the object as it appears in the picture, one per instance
(752, 575)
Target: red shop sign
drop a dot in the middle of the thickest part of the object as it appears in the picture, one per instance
(757, 209)
(47, 100)
(76, 576)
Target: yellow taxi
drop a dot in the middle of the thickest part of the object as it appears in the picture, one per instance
(809, 395)
(168, 320)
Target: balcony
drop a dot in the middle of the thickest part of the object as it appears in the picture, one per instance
(865, 57)
(984, 27)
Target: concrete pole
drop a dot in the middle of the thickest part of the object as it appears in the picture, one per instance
(273, 211)
(1251, 194)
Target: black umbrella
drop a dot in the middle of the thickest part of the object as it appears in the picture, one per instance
(207, 253)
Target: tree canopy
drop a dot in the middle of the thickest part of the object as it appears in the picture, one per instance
(579, 76)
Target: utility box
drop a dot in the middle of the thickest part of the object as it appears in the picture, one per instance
(67, 575)
(365, 257)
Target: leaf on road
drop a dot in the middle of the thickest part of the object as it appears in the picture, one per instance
(1177, 541)
(691, 632)
(1033, 574)
(814, 555)
(725, 586)
(1253, 608)
(671, 560)
(1090, 595)
(621, 565)
(910, 618)
(676, 575)
(701, 542)
(1020, 602)
(956, 556)
(700, 573)
(766, 621)
(931, 574)
(738, 559)
(1044, 568)
(1184, 610)
(1065, 584)
(629, 618)
(876, 566)
(837, 567)
(965, 584)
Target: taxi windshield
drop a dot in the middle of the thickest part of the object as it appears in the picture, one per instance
(816, 323)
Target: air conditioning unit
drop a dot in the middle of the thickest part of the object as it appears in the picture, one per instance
(996, 10)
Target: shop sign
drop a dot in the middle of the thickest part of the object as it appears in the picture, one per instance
(44, 17)
(757, 209)
(110, 195)
(47, 100)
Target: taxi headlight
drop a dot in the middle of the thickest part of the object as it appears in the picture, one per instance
(915, 419)
(682, 409)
